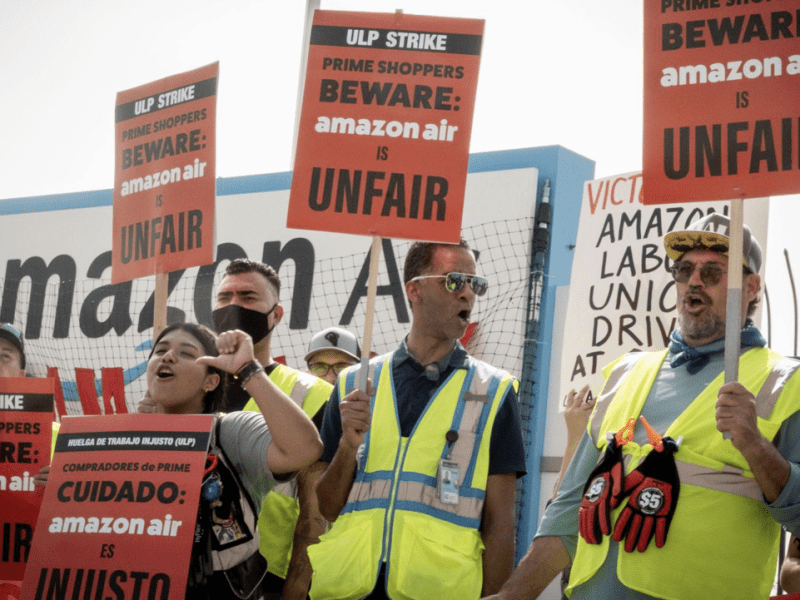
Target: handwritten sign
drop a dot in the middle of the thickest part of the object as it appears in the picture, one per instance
(621, 293)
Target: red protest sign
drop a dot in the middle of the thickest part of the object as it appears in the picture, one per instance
(26, 423)
(383, 143)
(164, 180)
(721, 100)
(119, 509)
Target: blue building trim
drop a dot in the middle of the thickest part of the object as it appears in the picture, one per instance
(479, 162)
(567, 173)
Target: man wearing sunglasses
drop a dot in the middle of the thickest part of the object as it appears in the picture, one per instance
(642, 516)
(421, 472)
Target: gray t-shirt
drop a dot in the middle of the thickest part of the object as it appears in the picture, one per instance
(245, 438)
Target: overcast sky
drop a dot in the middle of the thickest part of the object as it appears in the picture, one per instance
(557, 72)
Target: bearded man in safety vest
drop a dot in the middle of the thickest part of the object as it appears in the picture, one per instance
(643, 514)
(422, 469)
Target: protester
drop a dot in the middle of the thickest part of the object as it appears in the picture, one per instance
(296, 521)
(184, 374)
(697, 518)
(248, 298)
(422, 471)
(12, 364)
(330, 352)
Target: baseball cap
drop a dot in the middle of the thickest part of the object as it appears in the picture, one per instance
(13, 335)
(334, 338)
(712, 232)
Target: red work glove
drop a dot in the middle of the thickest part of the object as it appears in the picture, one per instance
(601, 494)
(653, 487)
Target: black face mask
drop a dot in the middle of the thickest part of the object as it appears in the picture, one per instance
(252, 322)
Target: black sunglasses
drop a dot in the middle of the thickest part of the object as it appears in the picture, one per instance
(455, 282)
(710, 274)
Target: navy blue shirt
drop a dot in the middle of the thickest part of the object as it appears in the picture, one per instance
(415, 385)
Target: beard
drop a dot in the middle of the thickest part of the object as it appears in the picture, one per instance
(705, 326)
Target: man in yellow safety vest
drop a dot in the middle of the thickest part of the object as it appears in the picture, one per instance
(421, 472)
(642, 514)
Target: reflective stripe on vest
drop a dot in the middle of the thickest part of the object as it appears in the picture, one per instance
(280, 510)
(615, 372)
(769, 393)
(708, 546)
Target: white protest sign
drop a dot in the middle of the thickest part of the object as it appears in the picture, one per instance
(622, 295)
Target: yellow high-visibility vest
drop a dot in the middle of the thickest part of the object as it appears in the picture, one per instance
(394, 513)
(722, 541)
(278, 517)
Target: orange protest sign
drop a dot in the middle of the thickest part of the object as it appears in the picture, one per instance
(26, 423)
(119, 509)
(383, 143)
(721, 100)
(164, 180)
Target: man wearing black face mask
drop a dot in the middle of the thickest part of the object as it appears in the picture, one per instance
(248, 299)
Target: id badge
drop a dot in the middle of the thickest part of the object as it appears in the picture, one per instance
(448, 481)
